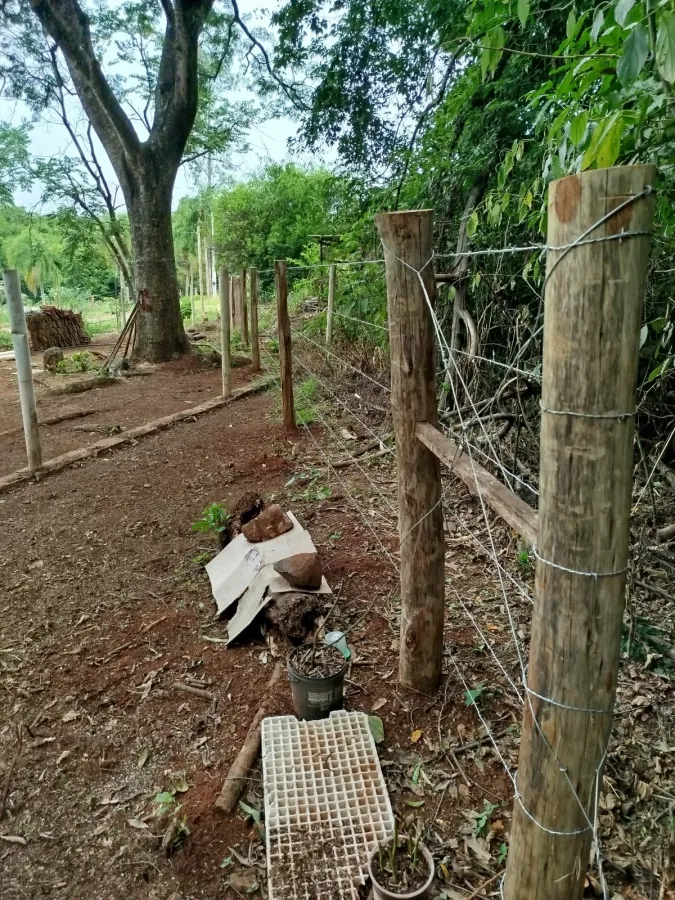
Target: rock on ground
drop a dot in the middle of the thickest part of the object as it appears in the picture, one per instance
(303, 570)
(272, 522)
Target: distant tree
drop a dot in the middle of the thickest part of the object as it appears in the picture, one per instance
(13, 160)
(143, 121)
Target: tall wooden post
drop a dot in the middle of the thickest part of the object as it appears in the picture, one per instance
(200, 271)
(285, 360)
(225, 362)
(233, 304)
(332, 272)
(593, 309)
(243, 316)
(235, 298)
(408, 236)
(255, 340)
(24, 372)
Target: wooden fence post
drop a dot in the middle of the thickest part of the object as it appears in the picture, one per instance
(332, 271)
(243, 315)
(408, 236)
(24, 372)
(285, 360)
(225, 362)
(593, 309)
(255, 340)
(233, 302)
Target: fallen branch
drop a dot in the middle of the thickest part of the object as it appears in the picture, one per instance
(652, 588)
(195, 691)
(666, 533)
(54, 420)
(245, 760)
(79, 387)
(10, 771)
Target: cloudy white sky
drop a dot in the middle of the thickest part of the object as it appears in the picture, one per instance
(268, 141)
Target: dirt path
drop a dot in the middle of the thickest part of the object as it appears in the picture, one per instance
(105, 605)
(132, 401)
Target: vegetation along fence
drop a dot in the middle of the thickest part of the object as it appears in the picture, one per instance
(596, 264)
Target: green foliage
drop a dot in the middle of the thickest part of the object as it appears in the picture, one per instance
(5, 340)
(214, 519)
(80, 361)
(306, 403)
(474, 694)
(185, 309)
(483, 818)
(14, 171)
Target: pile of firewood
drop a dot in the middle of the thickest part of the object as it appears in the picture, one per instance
(53, 327)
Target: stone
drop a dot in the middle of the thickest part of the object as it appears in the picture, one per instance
(51, 358)
(271, 522)
(301, 571)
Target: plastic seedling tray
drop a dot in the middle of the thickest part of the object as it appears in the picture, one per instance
(326, 805)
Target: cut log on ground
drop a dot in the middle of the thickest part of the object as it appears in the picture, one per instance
(78, 387)
(54, 420)
(239, 770)
(54, 327)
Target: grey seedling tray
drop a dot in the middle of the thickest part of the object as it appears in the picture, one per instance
(326, 805)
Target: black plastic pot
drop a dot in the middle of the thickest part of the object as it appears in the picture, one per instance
(315, 698)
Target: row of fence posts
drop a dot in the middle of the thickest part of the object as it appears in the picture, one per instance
(598, 248)
(594, 290)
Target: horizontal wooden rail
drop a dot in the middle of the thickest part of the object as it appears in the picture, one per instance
(521, 517)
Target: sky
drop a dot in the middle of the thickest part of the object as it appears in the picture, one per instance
(267, 141)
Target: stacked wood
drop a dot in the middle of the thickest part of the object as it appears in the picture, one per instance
(54, 327)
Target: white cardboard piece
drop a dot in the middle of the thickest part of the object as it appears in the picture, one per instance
(244, 571)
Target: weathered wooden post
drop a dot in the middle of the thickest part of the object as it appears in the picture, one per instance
(225, 361)
(408, 236)
(332, 271)
(255, 340)
(593, 308)
(233, 304)
(24, 372)
(200, 271)
(235, 299)
(242, 307)
(285, 360)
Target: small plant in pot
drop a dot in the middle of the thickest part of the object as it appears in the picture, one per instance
(401, 868)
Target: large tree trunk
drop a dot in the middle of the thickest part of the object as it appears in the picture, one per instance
(160, 327)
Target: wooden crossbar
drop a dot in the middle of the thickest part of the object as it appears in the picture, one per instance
(521, 517)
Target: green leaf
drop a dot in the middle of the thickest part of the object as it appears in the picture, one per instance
(571, 23)
(659, 370)
(523, 11)
(250, 811)
(635, 52)
(578, 128)
(609, 146)
(472, 224)
(376, 728)
(416, 773)
(415, 804)
(623, 7)
(484, 63)
(665, 47)
(598, 22)
(470, 697)
(644, 332)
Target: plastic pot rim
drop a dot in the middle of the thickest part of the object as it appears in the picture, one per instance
(383, 892)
